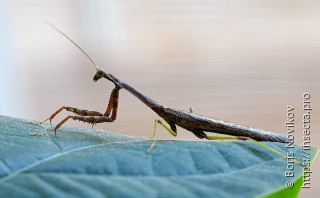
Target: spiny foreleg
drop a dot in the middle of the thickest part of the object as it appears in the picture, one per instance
(91, 117)
(73, 110)
(87, 119)
(113, 103)
(112, 106)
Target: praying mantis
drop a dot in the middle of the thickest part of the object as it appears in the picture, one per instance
(191, 121)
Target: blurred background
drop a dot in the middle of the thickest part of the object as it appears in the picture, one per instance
(240, 61)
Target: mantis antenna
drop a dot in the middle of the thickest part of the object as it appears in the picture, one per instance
(63, 34)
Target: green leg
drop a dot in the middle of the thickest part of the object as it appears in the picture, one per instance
(253, 141)
(193, 111)
(153, 137)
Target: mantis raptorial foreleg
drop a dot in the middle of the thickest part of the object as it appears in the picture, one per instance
(88, 119)
(113, 103)
(73, 110)
(92, 117)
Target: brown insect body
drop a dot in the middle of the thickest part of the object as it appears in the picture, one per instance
(195, 123)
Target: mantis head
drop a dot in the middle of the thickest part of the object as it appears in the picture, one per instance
(99, 74)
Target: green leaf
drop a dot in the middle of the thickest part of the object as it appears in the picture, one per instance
(82, 162)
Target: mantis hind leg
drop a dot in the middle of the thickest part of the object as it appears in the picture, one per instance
(253, 141)
(193, 111)
(171, 129)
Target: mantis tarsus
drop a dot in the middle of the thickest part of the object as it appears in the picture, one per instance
(191, 121)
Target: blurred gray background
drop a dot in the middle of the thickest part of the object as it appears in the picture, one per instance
(240, 61)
